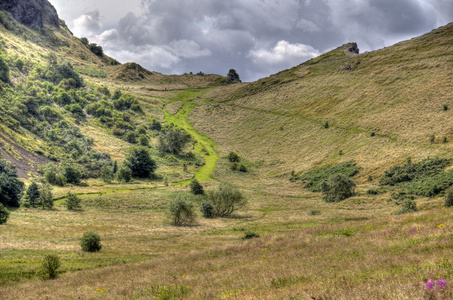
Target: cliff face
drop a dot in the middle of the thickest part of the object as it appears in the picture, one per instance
(31, 13)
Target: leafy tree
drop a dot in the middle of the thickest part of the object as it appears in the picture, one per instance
(181, 212)
(338, 188)
(233, 76)
(33, 192)
(140, 162)
(407, 207)
(173, 141)
(45, 196)
(10, 186)
(107, 174)
(196, 188)
(130, 137)
(207, 210)
(115, 167)
(72, 173)
(4, 71)
(117, 94)
(49, 266)
(124, 174)
(84, 41)
(143, 140)
(155, 125)
(4, 214)
(96, 49)
(73, 202)
(91, 242)
(225, 200)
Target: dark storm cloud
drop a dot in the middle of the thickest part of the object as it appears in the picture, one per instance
(257, 37)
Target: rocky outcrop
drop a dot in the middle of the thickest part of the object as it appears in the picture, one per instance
(353, 48)
(31, 13)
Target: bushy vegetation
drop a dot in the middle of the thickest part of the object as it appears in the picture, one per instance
(337, 188)
(91, 242)
(181, 212)
(225, 200)
(49, 266)
(195, 187)
(233, 157)
(33, 192)
(207, 210)
(46, 197)
(425, 178)
(4, 214)
(73, 202)
(449, 197)
(124, 174)
(408, 206)
(10, 186)
(173, 141)
(315, 178)
(139, 161)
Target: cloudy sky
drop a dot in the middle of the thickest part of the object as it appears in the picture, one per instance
(255, 37)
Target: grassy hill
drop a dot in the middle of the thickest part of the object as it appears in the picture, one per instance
(370, 111)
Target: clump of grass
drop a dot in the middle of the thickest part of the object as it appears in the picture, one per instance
(407, 207)
(164, 292)
(314, 212)
(250, 235)
(49, 266)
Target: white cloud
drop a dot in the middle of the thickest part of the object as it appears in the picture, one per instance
(284, 52)
(88, 24)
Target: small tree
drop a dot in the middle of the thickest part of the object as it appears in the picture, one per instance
(4, 71)
(225, 200)
(124, 174)
(338, 188)
(45, 196)
(173, 141)
(73, 202)
(181, 212)
(196, 188)
(140, 162)
(50, 265)
(449, 197)
(72, 173)
(33, 193)
(233, 76)
(91, 242)
(115, 167)
(407, 207)
(107, 174)
(4, 214)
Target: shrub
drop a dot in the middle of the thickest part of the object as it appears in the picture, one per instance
(338, 188)
(107, 174)
(173, 141)
(233, 76)
(326, 125)
(155, 125)
(445, 107)
(72, 173)
(73, 202)
(250, 235)
(124, 174)
(10, 186)
(449, 197)
(314, 212)
(45, 196)
(130, 137)
(372, 133)
(207, 210)
(139, 161)
(233, 157)
(91, 242)
(181, 212)
(4, 214)
(49, 266)
(225, 200)
(196, 188)
(315, 178)
(4, 71)
(33, 192)
(143, 140)
(407, 207)
(234, 166)
(243, 168)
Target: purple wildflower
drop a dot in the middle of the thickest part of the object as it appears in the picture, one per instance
(441, 284)
(429, 285)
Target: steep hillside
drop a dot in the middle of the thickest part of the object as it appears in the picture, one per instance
(381, 107)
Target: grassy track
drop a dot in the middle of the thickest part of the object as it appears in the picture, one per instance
(180, 119)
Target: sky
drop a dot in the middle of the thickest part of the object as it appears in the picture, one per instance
(257, 38)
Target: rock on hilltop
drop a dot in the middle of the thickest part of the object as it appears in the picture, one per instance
(31, 13)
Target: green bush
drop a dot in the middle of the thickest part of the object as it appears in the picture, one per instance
(33, 193)
(10, 186)
(181, 212)
(91, 242)
(226, 200)
(314, 212)
(139, 161)
(124, 174)
(107, 174)
(315, 178)
(196, 188)
(243, 168)
(173, 141)
(72, 173)
(73, 202)
(234, 166)
(338, 188)
(45, 196)
(130, 137)
(407, 207)
(4, 214)
(49, 266)
(250, 235)
(233, 157)
(449, 197)
(207, 210)
(4, 71)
